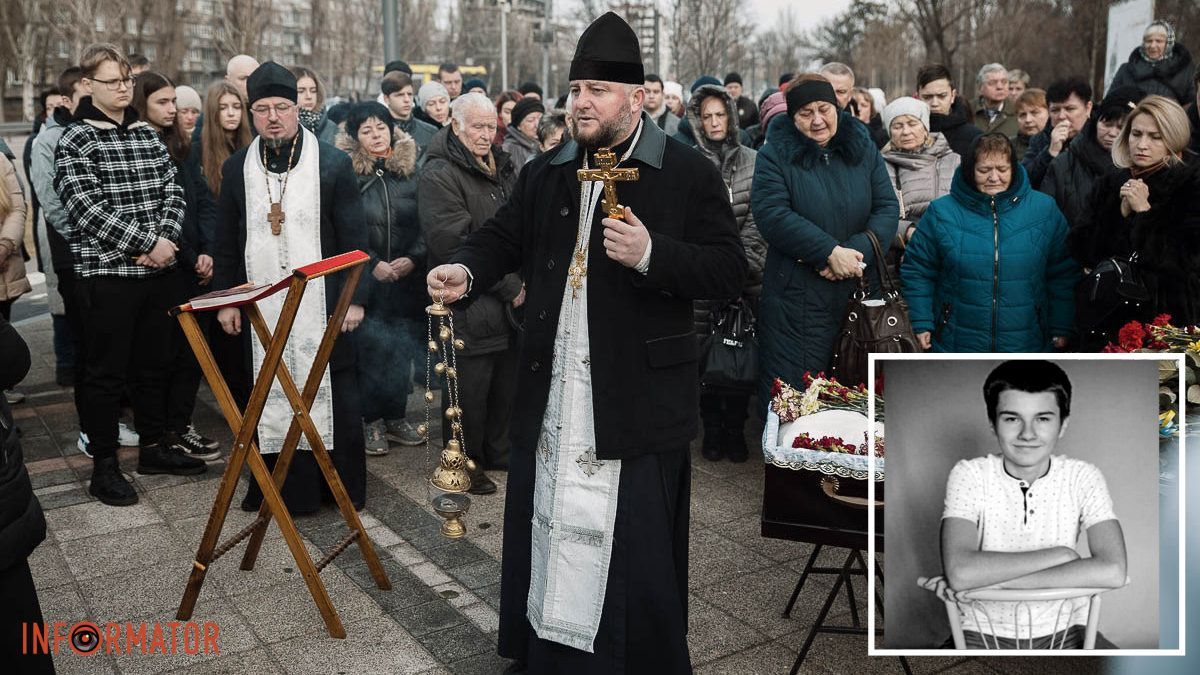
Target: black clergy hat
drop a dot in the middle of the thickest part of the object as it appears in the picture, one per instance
(608, 50)
(270, 79)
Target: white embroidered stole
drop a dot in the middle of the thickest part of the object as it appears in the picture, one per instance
(271, 257)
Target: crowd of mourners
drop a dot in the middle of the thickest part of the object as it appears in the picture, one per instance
(995, 204)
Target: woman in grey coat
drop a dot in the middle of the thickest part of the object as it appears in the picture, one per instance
(920, 164)
(712, 112)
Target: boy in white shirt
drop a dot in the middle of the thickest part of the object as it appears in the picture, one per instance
(1012, 520)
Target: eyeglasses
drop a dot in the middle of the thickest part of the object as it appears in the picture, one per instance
(279, 108)
(115, 85)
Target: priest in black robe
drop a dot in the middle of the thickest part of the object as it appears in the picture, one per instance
(594, 575)
(313, 187)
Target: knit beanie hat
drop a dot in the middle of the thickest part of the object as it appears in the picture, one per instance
(186, 97)
(430, 90)
(673, 88)
(775, 104)
(906, 105)
(524, 107)
(703, 80)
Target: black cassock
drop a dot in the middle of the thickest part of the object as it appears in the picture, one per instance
(645, 388)
(342, 229)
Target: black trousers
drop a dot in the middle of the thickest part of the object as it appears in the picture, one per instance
(18, 597)
(128, 342)
(183, 375)
(720, 410)
(387, 343)
(68, 289)
(6, 308)
(487, 385)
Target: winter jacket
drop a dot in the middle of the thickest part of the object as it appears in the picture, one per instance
(199, 225)
(956, 126)
(1072, 175)
(389, 200)
(457, 198)
(1005, 122)
(1173, 77)
(421, 132)
(1194, 118)
(118, 184)
(667, 121)
(1166, 238)
(806, 200)
(1037, 157)
(920, 177)
(736, 163)
(520, 148)
(13, 283)
(991, 274)
(41, 176)
(878, 133)
(747, 112)
(22, 524)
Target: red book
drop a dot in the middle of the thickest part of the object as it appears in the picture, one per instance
(238, 295)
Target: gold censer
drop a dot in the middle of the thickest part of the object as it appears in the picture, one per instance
(452, 475)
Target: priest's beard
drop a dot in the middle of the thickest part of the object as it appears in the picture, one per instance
(609, 133)
(277, 143)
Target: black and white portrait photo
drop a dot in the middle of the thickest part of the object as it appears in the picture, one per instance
(1022, 509)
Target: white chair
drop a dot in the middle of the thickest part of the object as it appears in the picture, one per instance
(1020, 598)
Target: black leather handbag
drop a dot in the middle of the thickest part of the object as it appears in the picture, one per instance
(1112, 295)
(731, 350)
(872, 325)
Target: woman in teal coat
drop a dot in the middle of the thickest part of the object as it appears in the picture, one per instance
(819, 184)
(988, 269)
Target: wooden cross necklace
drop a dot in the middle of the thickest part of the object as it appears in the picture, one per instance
(606, 163)
(276, 216)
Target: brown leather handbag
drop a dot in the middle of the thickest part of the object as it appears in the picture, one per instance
(872, 325)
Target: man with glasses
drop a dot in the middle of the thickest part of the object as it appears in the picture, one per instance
(125, 213)
(289, 199)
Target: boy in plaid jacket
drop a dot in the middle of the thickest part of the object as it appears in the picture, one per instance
(117, 183)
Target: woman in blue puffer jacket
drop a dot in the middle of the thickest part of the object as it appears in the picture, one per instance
(988, 268)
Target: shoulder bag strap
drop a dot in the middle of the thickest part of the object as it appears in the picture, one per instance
(885, 278)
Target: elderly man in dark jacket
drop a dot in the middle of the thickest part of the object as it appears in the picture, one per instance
(464, 181)
(712, 111)
(22, 525)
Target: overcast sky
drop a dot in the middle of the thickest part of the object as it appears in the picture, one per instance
(808, 12)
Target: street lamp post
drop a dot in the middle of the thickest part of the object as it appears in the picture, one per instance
(505, 7)
(390, 48)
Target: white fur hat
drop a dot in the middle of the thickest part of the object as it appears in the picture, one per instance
(673, 88)
(906, 105)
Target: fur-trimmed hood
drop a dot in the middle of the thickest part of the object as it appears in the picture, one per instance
(701, 94)
(852, 141)
(402, 161)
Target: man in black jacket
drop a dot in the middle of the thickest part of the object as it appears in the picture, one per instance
(949, 114)
(596, 519)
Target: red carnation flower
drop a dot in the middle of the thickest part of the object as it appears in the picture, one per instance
(1131, 335)
(1161, 320)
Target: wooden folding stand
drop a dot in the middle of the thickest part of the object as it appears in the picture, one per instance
(245, 450)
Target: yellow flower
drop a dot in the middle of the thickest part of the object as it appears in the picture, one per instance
(1166, 418)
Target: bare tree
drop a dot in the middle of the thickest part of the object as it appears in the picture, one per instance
(24, 33)
(778, 47)
(707, 36)
(241, 25)
(941, 24)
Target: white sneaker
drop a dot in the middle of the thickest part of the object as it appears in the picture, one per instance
(82, 444)
(126, 437)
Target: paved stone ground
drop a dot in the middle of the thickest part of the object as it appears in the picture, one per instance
(103, 564)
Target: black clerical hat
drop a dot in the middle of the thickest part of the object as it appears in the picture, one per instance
(608, 50)
(270, 79)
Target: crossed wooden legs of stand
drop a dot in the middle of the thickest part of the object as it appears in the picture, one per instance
(844, 573)
(245, 451)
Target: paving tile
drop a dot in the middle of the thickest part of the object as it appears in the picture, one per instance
(49, 478)
(287, 610)
(375, 645)
(712, 558)
(483, 616)
(407, 590)
(480, 664)
(747, 531)
(491, 543)
(234, 635)
(429, 617)
(186, 499)
(159, 481)
(93, 518)
(274, 565)
(765, 659)
(759, 599)
(1029, 665)
(259, 661)
(123, 595)
(456, 553)
(429, 573)
(63, 603)
(48, 566)
(405, 554)
(36, 446)
(714, 634)
(477, 574)
(67, 662)
(71, 496)
(425, 537)
(141, 547)
(457, 643)
(718, 501)
(455, 594)
(490, 594)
